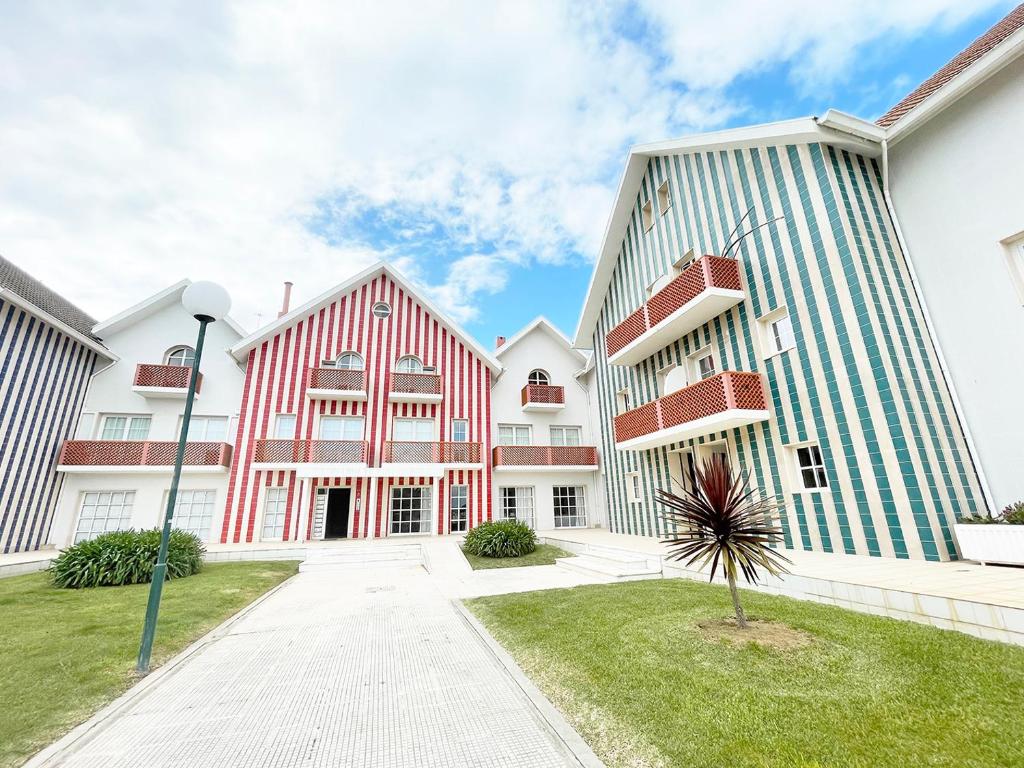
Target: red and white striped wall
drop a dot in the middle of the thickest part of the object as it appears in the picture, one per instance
(275, 382)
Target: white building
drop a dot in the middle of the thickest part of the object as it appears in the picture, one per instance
(545, 455)
(117, 469)
(955, 150)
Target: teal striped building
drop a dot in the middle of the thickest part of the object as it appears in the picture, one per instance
(884, 469)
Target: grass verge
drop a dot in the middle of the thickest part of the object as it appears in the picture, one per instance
(65, 653)
(544, 554)
(630, 667)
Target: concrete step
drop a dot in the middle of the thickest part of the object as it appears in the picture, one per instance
(631, 570)
(363, 557)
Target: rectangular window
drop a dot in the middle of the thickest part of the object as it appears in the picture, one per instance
(193, 512)
(704, 365)
(104, 511)
(125, 428)
(341, 427)
(647, 215)
(622, 400)
(517, 503)
(410, 509)
(460, 430)
(275, 505)
(780, 334)
(570, 510)
(634, 490)
(284, 426)
(565, 435)
(208, 429)
(664, 198)
(459, 508)
(812, 467)
(1015, 262)
(413, 430)
(514, 434)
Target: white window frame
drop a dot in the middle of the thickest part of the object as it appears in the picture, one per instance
(460, 494)
(539, 377)
(185, 505)
(623, 401)
(418, 426)
(1014, 250)
(203, 422)
(580, 516)
(275, 509)
(769, 346)
(125, 432)
(518, 502)
(647, 216)
(187, 353)
(409, 364)
(664, 197)
(695, 361)
(352, 427)
(515, 432)
(560, 434)
(116, 505)
(426, 510)
(346, 361)
(460, 427)
(634, 488)
(816, 466)
(280, 420)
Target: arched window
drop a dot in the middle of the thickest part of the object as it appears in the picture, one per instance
(409, 364)
(539, 377)
(183, 356)
(349, 361)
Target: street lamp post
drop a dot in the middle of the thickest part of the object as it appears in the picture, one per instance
(206, 302)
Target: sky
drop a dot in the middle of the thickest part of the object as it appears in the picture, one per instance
(477, 146)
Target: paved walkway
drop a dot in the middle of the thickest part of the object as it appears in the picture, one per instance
(339, 667)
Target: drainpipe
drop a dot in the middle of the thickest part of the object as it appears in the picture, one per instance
(943, 367)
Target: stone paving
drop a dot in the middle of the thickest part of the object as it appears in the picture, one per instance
(339, 667)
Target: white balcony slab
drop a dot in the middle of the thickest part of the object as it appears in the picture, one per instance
(141, 469)
(718, 422)
(414, 397)
(163, 393)
(351, 395)
(709, 304)
(552, 468)
(542, 407)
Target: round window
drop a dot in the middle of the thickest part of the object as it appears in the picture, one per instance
(381, 309)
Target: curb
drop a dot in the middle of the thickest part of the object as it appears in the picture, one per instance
(82, 733)
(571, 740)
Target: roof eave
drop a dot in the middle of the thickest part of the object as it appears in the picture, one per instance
(42, 314)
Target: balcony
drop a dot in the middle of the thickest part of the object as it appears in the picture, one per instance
(312, 457)
(545, 458)
(705, 289)
(432, 455)
(164, 381)
(543, 397)
(415, 388)
(725, 401)
(141, 456)
(336, 384)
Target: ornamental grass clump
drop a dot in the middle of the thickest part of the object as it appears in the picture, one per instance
(501, 538)
(1012, 514)
(125, 557)
(723, 521)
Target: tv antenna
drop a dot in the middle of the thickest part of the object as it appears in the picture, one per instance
(733, 242)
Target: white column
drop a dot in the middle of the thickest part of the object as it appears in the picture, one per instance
(304, 486)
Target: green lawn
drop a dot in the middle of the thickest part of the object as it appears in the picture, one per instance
(64, 653)
(631, 670)
(544, 554)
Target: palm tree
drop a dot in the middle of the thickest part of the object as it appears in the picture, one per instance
(722, 520)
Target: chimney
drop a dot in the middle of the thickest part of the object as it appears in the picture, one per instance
(499, 342)
(287, 298)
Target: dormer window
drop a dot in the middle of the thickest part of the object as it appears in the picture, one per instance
(347, 361)
(409, 364)
(180, 356)
(539, 377)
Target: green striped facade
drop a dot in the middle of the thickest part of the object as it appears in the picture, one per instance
(863, 380)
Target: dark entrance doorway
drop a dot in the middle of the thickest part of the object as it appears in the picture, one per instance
(336, 520)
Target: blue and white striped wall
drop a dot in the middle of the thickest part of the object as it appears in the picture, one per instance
(863, 380)
(44, 373)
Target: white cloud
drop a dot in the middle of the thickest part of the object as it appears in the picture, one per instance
(144, 144)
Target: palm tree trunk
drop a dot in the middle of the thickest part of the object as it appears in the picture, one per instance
(741, 617)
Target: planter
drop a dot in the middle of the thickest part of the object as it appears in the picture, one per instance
(993, 543)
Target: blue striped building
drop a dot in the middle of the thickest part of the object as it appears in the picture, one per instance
(47, 356)
(806, 360)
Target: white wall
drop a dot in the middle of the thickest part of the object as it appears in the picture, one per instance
(542, 349)
(110, 392)
(958, 188)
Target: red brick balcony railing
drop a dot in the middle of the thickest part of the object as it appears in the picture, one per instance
(545, 456)
(165, 376)
(337, 379)
(544, 394)
(416, 383)
(141, 453)
(726, 391)
(310, 452)
(399, 452)
(706, 272)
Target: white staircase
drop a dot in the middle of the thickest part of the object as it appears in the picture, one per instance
(363, 556)
(618, 564)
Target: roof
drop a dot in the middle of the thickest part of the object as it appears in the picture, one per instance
(800, 130)
(161, 300)
(49, 304)
(1005, 28)
(242, 348)
(542, 323)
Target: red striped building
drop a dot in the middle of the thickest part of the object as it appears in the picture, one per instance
(365, 413)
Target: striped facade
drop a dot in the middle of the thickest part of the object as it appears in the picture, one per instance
(44, 374)
(277, 371)
(862, 381)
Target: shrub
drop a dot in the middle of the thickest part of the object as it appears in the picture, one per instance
(501, 538)
(125, 557)
(1013, 514)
